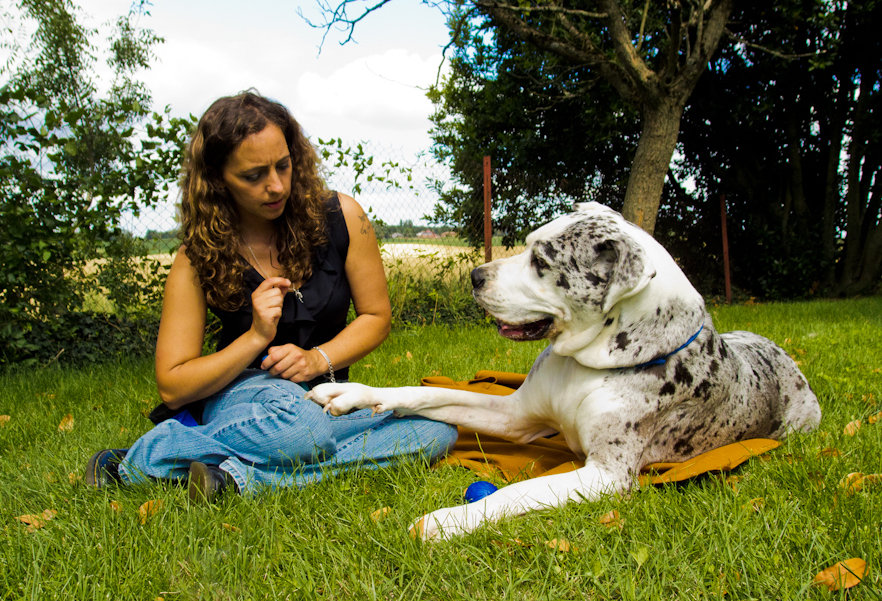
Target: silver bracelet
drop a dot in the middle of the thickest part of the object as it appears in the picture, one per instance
(330, 365)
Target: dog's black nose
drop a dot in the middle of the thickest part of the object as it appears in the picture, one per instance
(477, 279)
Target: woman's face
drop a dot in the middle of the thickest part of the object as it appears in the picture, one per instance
(258, 174)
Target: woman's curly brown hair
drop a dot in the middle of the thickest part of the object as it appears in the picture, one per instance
(209, 218)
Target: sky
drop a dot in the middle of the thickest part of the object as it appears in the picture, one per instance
(371, 88)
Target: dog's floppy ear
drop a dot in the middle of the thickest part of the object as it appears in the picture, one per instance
(630, 271)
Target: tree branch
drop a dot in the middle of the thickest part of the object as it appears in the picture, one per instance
(642, 26)
(620, 35)
(713, 26)
(547, 9)
(339, 16)
(588, 55)
(740, 40)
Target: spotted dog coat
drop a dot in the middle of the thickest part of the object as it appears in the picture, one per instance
(634, 373)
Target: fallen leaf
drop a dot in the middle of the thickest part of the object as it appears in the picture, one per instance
(872, 419)
(50, 478)
(856, 482)
(4, 419)
(66, 424)
(36, 521)
(852, 483)
(844, 574)
(73, 478)
(115, 506)
(123, 429)
(231, 528)
(380, 513)
(829, 452)
(755, 504)
(612, 520)
(148, 509)
(852, 427)
(560, 544)
(396, 360)
(409, 356)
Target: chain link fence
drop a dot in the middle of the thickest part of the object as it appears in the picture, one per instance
(400, 191)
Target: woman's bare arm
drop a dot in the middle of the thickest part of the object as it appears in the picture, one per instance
(183, 375)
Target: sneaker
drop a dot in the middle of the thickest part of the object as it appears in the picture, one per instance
(103, 467)
(208, 481)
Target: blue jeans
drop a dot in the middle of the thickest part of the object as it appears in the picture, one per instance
(263, 432)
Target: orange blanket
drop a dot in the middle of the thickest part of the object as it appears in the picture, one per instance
(491, 456)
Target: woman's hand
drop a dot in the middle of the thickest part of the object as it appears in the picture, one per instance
(294, 363)
(266, 302)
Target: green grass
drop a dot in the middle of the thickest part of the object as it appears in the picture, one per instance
(698, 540)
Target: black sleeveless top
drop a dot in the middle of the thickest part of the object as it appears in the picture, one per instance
(316, 320)
(326, 298)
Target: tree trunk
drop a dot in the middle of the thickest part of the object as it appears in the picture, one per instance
(661, 128)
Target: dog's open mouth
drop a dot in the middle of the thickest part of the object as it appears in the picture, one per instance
(535, 330)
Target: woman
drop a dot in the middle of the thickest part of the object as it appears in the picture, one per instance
(277, 258)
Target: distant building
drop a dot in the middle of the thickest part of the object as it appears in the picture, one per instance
(397, 235)
(449, 235)
(427, 234)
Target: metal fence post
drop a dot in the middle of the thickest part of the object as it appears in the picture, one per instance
(488, 225)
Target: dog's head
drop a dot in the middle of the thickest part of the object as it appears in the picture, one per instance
(573, 281)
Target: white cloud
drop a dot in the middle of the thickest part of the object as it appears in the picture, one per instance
(381, 97)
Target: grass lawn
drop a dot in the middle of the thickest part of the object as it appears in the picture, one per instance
(761, 535)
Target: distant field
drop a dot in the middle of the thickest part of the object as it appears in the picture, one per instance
(416, 253)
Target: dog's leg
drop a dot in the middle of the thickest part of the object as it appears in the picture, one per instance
(589, 482)
(490, 414)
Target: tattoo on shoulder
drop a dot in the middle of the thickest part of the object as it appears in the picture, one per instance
(365, 223)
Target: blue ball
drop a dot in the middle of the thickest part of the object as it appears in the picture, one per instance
(478, 490)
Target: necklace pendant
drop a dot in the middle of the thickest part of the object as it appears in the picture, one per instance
(298, 295)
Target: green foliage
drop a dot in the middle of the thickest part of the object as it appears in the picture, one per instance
(795, 146)
(83, 338)
(73, 163)
(389, 173)
(444, 297)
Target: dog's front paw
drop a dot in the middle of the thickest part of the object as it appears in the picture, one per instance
(444, 524)
(340, 399)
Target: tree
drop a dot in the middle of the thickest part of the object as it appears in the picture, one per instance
(72, 164)
(651, 54)
(795, 145)
(555, 135)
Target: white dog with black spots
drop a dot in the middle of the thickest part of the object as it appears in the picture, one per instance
(634, 374)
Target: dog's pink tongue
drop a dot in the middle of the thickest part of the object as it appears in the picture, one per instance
(510, 331)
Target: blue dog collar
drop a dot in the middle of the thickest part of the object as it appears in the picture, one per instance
(664, 359)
